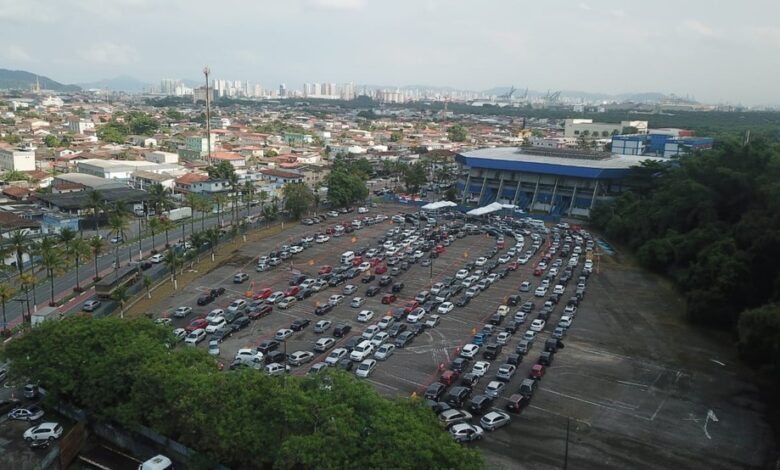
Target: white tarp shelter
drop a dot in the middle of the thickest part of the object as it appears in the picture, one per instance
(438, 205)
(490, 208)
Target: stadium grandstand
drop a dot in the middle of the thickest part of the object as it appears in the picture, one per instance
(561, 182)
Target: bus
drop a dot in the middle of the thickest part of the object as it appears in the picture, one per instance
(121, 277)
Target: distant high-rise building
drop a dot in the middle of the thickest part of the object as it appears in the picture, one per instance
(347, 91)
(282, 90)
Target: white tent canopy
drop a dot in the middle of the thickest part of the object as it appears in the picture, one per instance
(438, 205)
(492, 207)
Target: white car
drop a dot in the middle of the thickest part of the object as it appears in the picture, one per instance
(364, 266)
(379, 339)
(195, 337)
(537, 325)
(365, 316)
(323, 344)
(286, 302)
(570, 310)
(494, 388)
(462, 274)
(436, 288)
(365, 368)
(529, 335)
(335, 356)
(237, 305)
(480, 368)
(215, 324)
(283, 334)
(480, 261)
(295, 249)
(43, 432)
(525, 286)
(470, 350)
(349, 289)
(275, 369)
(464, 432)
(503, 338)
(565, 321)
(558, 289)
(504, 258)
(520, 317)
(275, 297)
(446, 307)
(370, 332)
(433, 321)
(322, 238)
(494, 420)
(357, 302)
(384, 352)
(182, 312)
(362, 351)
(299, 358)
(416, 315)
(158, 258)
(217, 312)
(473, 291)
(502, 310)
(247, 355)
(386, 322)
(335, 299)
(322, 326)
(540, 291)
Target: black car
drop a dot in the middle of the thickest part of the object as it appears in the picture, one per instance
(457, 396)
(367, 279)
(350, 344)
(456, 289)
(217, 292)
(469, 380)
(275, 356)
(223, 334)
(336, 280)
(345, 364)
(398, 314)
(438, 407)
(341, 330)
(296, 280)
(403, 339)
(205, 299)
(267, 346)
(304, 294)
(435, 391)
(352, 273)
(552, 345)
(240, 323)
(397, 287)
(511, 327)
(491, 351)
(460, 364)
(372, 291)
(496, 319)
(323, 309)
(479, 404)
(546, 358)
(514, 359)
(300, 324)
(385, 280)
(463, 301)
(527, 307)
(513, 300)
(418, 328)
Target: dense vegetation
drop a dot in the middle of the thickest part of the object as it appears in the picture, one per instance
(123, 371)
(711, 222)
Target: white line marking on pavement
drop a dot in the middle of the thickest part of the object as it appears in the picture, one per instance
(396, 389)
(634, 384)
(600, 405)
(658, 409)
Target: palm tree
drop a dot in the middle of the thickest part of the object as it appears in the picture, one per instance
(154, 227)
(166, 225)
(220, 200)
(262, 196)
(5, 251)
(6, 293)
(52, 259)
(160, 198)
(192, 201)
(173, 260)
(212, 235)
(204, 204)
(77, 250)
(96, 203)
(249, 194)
(198, 239)
(233, 181)
(19, 242)
(148, 285)
(28, 281)
(120, 295)
(118, 225)
(96, 244)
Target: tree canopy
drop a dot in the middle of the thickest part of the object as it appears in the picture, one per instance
(711, 222)
(123, 371)
(414, 176)
(298, 198)
(345, 188)
(457, 133)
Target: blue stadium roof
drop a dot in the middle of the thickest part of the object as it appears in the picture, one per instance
(552, 162)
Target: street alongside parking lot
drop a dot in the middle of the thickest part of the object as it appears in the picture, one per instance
(634, 383)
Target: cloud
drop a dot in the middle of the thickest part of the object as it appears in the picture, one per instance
(697, 27)
(619, 13)
(27, 11)
(108, 53)
(340, 4)
(15, 53)
(767, 37)
(584, 6)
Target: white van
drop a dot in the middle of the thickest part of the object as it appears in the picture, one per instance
(347, 257)
(158, 462)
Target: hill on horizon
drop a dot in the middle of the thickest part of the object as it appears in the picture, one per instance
(23, 80)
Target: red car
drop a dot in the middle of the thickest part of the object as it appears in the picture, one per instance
(292, 291)
(513, 266)
(374, 261)
(263, 294)
(517, 403)
(411, 305)
(538, 271)
(388, 298)
(537, 371)
(439, 249)
(449, 377)
(330, 231)
(325, 269)
(263, 311)
(198, 323)
(380, 270)
(357, 261)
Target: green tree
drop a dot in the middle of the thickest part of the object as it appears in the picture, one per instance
(78, 250)
(142, 124)
(457, 133)
(120, 296)
(147, 280)
(159, 198)
(396, 136)
(6, 293)
(53, 262)
(96, 244)
(759, 335)
(113, 131)
(414, 177)
(51, 141)
(223, 171)
(118, 228)
(19, 243)
(174, 115)
(298, 198)
(96, 203)
(345, 188)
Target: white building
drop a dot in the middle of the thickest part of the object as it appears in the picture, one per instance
(79, 126)
(161, 157)
(16, 159)
(588, 128)
(122, 169)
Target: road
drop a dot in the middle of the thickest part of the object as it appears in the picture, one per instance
(124, 252)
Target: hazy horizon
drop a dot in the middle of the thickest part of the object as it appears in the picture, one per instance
(724, 54)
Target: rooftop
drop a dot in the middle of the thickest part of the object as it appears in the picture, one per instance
(80, 199)
(562, 157)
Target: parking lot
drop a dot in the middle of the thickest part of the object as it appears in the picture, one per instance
(633, 381)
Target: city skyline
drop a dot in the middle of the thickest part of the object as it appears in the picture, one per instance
(595, 46)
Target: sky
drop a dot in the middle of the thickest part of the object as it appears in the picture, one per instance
(714, 51)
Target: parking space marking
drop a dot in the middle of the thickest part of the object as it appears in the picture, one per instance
(395, 389)
(617, 409)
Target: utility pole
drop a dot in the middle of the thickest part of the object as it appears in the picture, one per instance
(566, 452)
(206, 72)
